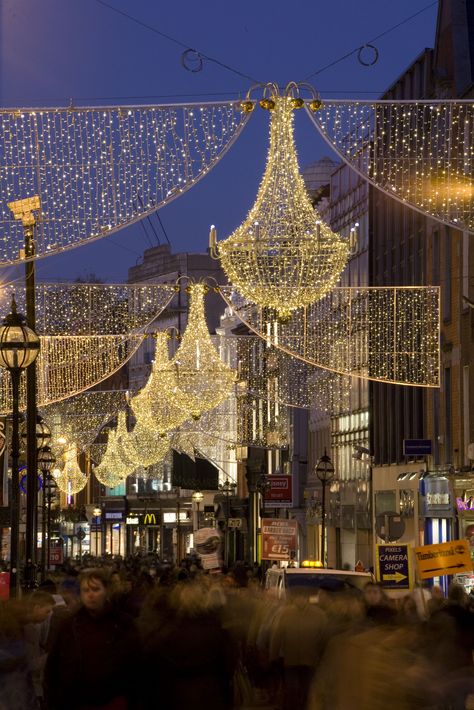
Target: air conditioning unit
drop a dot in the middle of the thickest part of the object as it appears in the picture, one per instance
(470, 451)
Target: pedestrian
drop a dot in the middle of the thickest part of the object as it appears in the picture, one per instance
(95, 658)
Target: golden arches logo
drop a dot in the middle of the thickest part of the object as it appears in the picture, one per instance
(149, 519)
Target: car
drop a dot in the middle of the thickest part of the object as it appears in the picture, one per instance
(310, 579)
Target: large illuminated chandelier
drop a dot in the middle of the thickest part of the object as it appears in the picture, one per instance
(160, 405)
(282, 256)
(202, 378)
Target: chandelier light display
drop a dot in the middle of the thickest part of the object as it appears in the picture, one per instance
(70, 479)
(160, 406)
(384, 334)
(418, 152)
(202, 378)
(142, 446)
(114, 467)
(282, 256)
(98, 169)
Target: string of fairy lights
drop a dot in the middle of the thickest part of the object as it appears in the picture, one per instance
(269, 373)
(86, 309)
(386, 334)
(69, 365)
(98, 169)
(418, 152)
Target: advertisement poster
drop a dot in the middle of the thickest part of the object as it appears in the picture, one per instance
(207, 543)
(279, 539)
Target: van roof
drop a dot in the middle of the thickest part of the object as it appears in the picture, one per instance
(320, 570)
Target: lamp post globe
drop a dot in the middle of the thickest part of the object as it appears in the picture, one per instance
(46, 460)
(19, 348)
(42, 433)
(197, 497)
(324, 470)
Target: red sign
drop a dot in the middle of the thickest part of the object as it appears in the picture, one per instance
(56, 555)
(279, 539)
(280, 493)
(4, 586)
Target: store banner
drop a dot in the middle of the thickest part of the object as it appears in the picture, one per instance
(280, 492)
(443, 559)
(279, 539)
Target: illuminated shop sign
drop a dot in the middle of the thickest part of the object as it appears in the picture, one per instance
(465, 503)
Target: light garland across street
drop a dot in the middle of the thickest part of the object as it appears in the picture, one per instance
(99, 169)
(418, 152)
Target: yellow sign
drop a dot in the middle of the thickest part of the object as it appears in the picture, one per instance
(149, 519)
(447, 558)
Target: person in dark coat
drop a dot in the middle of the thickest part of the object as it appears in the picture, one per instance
(95, 657)
(189, 660)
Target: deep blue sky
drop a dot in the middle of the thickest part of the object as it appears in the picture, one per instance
(54, 50)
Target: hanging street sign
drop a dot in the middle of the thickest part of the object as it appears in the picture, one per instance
(446, 558)
(393, 567)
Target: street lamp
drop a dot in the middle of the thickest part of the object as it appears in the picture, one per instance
(46, 460)
(197, 497)
(19, 348)
(228, 489)
(97, 513)
(325, 472)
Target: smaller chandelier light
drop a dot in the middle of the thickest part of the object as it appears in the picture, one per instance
(70, 479)
(157, 406)
(282, 256)
(204, 381)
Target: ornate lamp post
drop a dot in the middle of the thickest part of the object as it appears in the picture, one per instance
(46, 460)
(228, 489)
(19, 348)
(197, 497)
(97, 512)
(325, 472)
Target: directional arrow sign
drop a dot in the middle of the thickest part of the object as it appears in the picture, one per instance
(393, 567)
(397, 577)
(446, 558)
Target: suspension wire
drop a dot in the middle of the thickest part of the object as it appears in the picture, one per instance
(370, 41)
(162, 227)
(186, 47)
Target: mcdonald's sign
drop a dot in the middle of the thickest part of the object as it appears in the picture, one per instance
(149, 519)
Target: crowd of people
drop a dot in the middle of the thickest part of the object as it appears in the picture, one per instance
(134, 634)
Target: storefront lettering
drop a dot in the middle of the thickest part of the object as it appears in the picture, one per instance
(437, 498)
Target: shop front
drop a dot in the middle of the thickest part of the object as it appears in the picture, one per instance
(464, 492)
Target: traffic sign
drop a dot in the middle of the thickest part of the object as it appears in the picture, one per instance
(393, 566)
(446, 558)
(416, 447)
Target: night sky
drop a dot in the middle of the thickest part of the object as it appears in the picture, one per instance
(55, 50)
